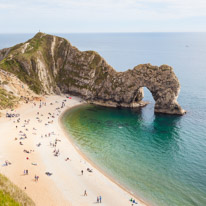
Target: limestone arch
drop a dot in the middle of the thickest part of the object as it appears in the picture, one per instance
(162, 84)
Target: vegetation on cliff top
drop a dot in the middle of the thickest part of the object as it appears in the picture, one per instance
(11, 195)
(22, 61)
(7, 100)
(17, 62)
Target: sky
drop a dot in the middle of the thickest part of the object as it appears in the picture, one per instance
(82, 16)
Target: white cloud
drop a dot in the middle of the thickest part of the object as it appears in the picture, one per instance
(106, 12)
(138, 9)
(6, 6)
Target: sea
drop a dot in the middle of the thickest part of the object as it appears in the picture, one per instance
(159, 158)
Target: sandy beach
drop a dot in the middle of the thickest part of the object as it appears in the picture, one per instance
(35, 141)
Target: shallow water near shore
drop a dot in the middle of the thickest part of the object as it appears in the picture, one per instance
(154, 156)
(161, 158)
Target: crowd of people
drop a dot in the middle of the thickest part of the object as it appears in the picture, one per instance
(9, 115)
(23, 126)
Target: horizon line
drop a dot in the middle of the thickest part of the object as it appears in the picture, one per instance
(118, 32)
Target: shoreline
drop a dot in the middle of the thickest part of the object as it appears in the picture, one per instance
(81, 153)
(66, 184)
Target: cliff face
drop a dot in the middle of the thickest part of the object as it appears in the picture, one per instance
(50, 64)
(12, 90)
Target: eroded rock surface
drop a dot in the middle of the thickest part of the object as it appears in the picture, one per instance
(50, 64)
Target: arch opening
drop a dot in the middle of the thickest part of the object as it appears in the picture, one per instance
(143, 94)
(148, 96)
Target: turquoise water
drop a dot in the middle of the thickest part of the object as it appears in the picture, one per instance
(158, 157)
(161, 158)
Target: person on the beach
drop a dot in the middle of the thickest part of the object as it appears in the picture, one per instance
(100, 199)
(85, 193)
(97, 199)
(82, 172)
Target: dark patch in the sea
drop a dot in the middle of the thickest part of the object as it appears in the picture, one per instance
(92, 110)
(99, 108)
(109, 123)
(92, 120)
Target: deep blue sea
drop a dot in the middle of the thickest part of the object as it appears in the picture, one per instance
(161, 158)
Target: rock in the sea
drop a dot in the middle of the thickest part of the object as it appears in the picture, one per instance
(50, 64)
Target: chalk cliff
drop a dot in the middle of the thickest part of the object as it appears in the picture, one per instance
(50, 64)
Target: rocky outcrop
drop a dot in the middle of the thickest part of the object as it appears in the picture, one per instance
(12, 91)
(50, 64)
(3, 53)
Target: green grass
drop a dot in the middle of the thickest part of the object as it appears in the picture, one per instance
(25, 66)
(7, 200)
(13, 66)
(11, 195)
(19, 63)
(7, 100)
